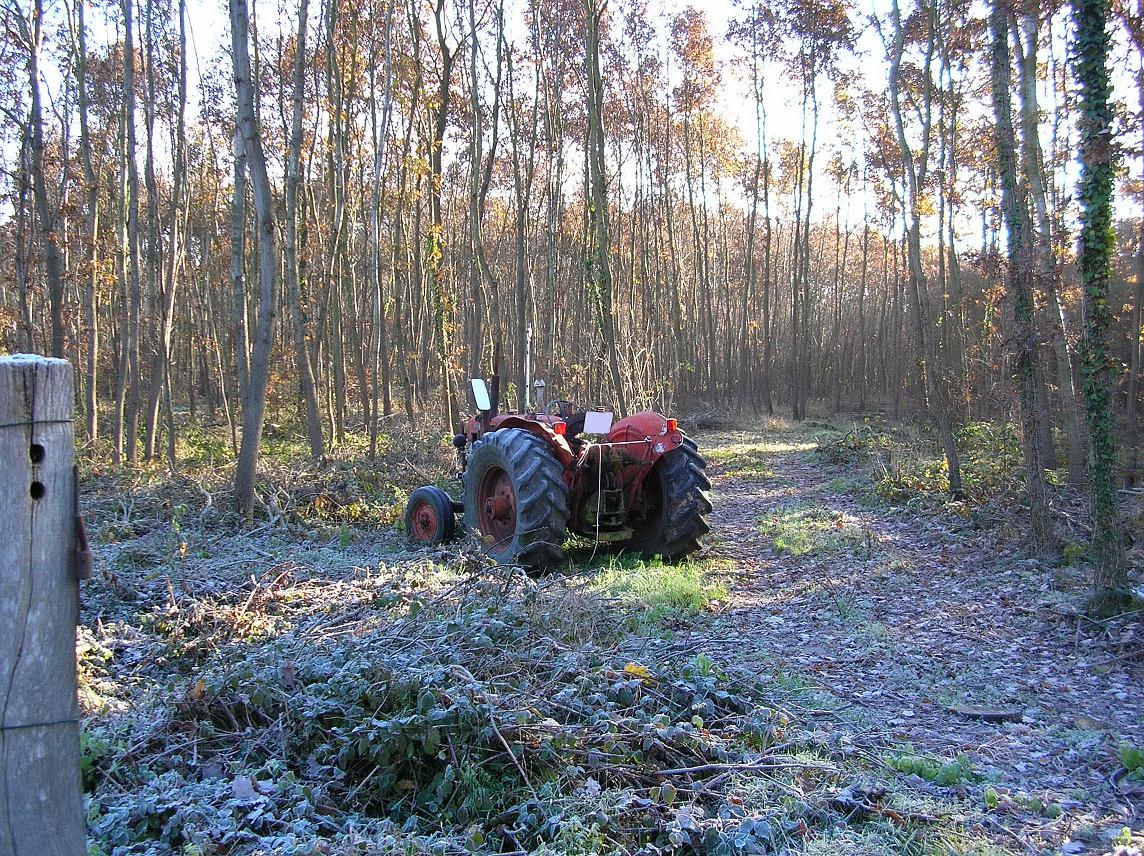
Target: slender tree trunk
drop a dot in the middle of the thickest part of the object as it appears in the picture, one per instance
(47, 218)
(254, 404)
(1045, 268)
(91, 286)
(380, 356)
(931, 366)
(1019, 278)
(293, 290)
(442, 290)
(599, 243)
(160, 365)
(238, 268)
(134, 287)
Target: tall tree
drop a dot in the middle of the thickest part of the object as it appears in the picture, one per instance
(168, 283)
(1018, 274)
(293, 290)
(1045, 267)
(599, 243)
(249, 128)
(127, 435)
(435, 243)
(916, 167)
(1097, 242)
(47, 214)
(92, 201)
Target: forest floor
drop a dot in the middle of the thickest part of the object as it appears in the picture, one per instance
(825, 678)
(929, 626)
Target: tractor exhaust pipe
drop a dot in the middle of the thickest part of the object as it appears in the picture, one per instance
(496, 380)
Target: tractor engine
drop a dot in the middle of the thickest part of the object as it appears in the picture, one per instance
(602, 513)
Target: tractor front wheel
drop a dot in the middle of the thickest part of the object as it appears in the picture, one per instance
(669, 513)
(516, 501)
(429, 517)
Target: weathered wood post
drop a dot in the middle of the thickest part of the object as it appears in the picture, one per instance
(41, 801)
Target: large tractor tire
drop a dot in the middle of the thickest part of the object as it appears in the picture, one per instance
(670, 513)
(516, 502)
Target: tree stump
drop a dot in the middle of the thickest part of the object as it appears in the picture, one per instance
(41, 802)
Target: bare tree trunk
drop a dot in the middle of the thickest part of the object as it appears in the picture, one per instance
(293, 292)
(160, 365)
(600, 238)
(134, 297)
(1046, 269)
(1019, 279)
(380, 356)
(931, 366)
(254, 404)
(47, 219)
(238, 267)
(91, 181)
(443, 292)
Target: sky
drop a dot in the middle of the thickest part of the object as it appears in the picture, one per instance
(208, 36)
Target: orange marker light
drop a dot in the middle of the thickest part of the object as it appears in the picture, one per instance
(560, 428)
(672, 424)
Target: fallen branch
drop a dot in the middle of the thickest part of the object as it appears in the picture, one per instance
(764, 764)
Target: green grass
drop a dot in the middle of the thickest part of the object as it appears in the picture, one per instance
(942, 773)
(660, 588)
(1132, 757)
(802, 530)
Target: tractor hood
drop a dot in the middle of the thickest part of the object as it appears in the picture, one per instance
(645, 436)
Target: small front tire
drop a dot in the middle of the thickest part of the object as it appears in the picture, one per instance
(429, 516)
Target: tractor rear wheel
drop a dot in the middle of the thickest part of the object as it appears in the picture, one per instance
(515, 498)
(669, 514)
(429, 517)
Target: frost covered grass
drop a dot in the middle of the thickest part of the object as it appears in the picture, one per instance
(438, 707)
(801, 530)
(313, 685)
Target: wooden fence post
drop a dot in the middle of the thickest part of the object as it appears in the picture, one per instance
(41, 800)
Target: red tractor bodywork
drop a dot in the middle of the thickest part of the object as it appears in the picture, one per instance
(633, 446)
(527, 479)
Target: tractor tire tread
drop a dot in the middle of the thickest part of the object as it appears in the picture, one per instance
(686, 503)
(443, 507)
(541, 496)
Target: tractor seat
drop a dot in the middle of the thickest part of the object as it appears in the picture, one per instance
(575, 423)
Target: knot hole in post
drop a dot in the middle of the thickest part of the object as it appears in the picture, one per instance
(37, 490)
(36, 453)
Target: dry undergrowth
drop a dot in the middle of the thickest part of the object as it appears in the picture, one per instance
(445, 706)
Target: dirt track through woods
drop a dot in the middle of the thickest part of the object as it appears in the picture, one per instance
(902, 617)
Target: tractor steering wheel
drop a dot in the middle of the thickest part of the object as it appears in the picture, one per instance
(563, 408)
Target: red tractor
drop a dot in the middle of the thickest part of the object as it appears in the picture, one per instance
(527, 479)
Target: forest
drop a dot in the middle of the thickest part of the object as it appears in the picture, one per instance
(882, 264)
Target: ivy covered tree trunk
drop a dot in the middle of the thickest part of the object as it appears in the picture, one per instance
(1090, 58)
